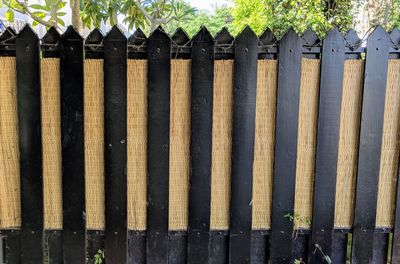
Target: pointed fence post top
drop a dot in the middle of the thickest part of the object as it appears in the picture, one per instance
(27, 32)
(395, 37)
(180, 37)
(71, 33)
(203, 35)
(247, 33)
(267, 37)
(160, 34)
(137, 38)
(95, 37)
(290, 36)
(52, 36)
(115, 34)
(309, 37)
(8, 36)
(352, 39)
(224, 37)
(379, 34)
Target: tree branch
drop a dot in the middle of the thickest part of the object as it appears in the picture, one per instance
(143, 10)
(25, 10)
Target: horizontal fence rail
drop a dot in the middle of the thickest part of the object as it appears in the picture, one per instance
(166, 149)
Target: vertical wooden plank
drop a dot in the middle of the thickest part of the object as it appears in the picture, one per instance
(201, 146)
(370, 146)
(73, 164)
(115, 133)
(244, 106)
(12, 241)
(330, 99)
(159, 67)
(285, 147)
(52, 236)
(30, 145)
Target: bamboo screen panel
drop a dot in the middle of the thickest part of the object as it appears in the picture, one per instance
(348, 142)
(137, 144)
(10, 209)
(51, 142)
(94, 143)
(264, 143)
(179, 144)
(221, 144)
(306, 141)
(390, 148)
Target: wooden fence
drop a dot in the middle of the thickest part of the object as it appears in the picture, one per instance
(210, 150)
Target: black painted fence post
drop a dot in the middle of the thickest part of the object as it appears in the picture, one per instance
(201, 147)
(369, 157)
(73, 163)
(243, 134)
(286, 132)
(330, 100)
(115, 133)
(30, 145)
(159, 67)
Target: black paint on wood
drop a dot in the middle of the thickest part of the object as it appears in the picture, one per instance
(50, 44)
(73, 159)
(94, 48)
(7, 42)
(180, 37)
(330, 100)
(396, 226)
(136, 43)
(180, 41)
(259, 248)
(309, 38)
(268, 39)
(95, 242)
(30, 145)
(369, 157)
(219, 247)
(381, 243)
(137, 247)
(339, 247)
(226, 42)
(285, 147)
(12, 249)
(353, 42)
(159, 67)
(201, 146)
(300, 247)
(177, 247)
(53, 246)
(115, 134)
(243, 133)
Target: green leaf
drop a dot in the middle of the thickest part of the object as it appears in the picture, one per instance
(35, 23)
(40, 7)
(61, 13)
(10, 15)
(61, 22)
